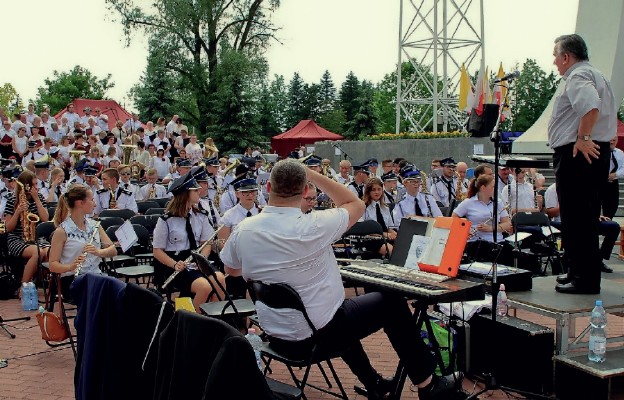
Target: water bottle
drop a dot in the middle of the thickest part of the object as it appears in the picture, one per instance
(598, 334)
(501, 302)
(34, 296)
(25, 296)
(256, 344)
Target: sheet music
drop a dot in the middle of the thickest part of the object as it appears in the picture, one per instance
(435, 250)
(486, 269)
(126, 236)
(549, 230)
(416, 251)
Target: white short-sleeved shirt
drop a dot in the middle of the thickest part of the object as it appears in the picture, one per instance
(283, 245)
(170, 234)
(440, 190)
(551, 200)
(526, 197)
(406, 207)
(477, 213)
(76, 240)
(228, 200)
(125, 200)
(236, 214)
(144, 191)
(370, 214)
(162, 166)
(214, 217)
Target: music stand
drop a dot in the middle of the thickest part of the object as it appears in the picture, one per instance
(3, 324)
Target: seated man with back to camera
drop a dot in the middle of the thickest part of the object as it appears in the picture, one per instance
(283, 245)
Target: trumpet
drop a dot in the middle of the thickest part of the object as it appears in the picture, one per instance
(84, 254)
(190, 258)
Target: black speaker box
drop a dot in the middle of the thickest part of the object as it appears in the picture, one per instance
(518, 353)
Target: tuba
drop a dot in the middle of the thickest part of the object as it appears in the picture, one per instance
(112, 203)
(28, 219)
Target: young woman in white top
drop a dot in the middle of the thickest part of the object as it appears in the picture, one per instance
(373, 199)
(20, 143)
(478, 208)
(64, 149)
(193, 150)
(160, 163)
(72, 243)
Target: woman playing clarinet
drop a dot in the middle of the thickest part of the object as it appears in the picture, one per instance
(183, 227)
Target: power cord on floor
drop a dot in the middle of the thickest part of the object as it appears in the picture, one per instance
(4, 362)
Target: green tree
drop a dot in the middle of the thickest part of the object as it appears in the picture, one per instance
(297, 98)
(350, 92)
(363, 122)
(192, 33)
(327, 93)
(63, 87)
(333, 120)
(311, 108)
(155, 94)
(279, 101)
(533, 91)
(9, 99)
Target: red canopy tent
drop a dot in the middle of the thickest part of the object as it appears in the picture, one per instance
(305, 132)
(110, 108)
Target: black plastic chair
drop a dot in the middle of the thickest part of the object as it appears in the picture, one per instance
(120, 260)
(359, 233)
(162, 202)
(226, 308)
(107, 222)
(146, 205)
(155, 211)
(544, 247)
(148, 221)
(282, 296)
(125, 213)
(142, 267)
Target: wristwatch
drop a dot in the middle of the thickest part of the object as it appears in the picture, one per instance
(585, 138)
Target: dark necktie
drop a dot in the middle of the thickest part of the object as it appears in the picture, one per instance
(126, 186)
(190, 234)
(58, 192)
(449, 187)
(380, 218)
(248, 213)
(614, 161)
(417, 208)
(212, 213)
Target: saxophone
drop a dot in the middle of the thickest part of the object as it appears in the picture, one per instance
(28, 219)
(459, 194)
(423, 183)
(152, 192)
(217, 197)
(112, 203)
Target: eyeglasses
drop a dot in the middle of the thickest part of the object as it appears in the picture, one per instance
(309, 198)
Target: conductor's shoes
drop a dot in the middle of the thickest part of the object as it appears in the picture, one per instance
(563, 279)
(571, 288)
(605, 268)
(441, 387)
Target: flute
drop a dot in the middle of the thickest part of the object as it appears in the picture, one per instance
(95, 230)
(190, 258)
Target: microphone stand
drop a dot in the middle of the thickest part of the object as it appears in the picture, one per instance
(491, 382)
(346, 156)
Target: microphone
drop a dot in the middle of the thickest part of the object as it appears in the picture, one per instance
(508, 77)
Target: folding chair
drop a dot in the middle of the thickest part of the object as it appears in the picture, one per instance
(162, 202)
(118, 261)
(155, 211)
(107, 222)
(281, 296)
(124, 214)
(544, 247)
(43, 232)
(143, 259)
(146, 205)
(359, 233)
(148, 221)
(225, 308)
(56, 295)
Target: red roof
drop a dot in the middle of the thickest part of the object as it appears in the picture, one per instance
(110, 108)
(305, 132)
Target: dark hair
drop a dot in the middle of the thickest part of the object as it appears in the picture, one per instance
(477, 183)
(369, 187)
(177, 207)
(141, 144)
(76, 192)
(111, 173)
(26, 178)
(480, 170)
(573, 44)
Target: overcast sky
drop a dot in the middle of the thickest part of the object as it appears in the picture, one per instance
(337, 35)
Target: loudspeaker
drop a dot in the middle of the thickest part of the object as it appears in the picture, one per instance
(518, 352)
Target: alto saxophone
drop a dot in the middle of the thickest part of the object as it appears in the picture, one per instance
(28, 219)
(112, 203)
(423, 184)
(459, 194)
(217, 197)
(152, 192)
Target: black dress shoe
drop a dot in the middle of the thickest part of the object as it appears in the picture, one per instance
(571, 288)
(605, 268)
(563, 279)
(380, 389)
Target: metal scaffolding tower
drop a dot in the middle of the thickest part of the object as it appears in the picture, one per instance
(436, 37)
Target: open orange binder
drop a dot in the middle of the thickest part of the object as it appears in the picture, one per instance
(432, 244)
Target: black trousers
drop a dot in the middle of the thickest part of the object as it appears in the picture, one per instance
(610, 198)
(580, 209)
(360, 317)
